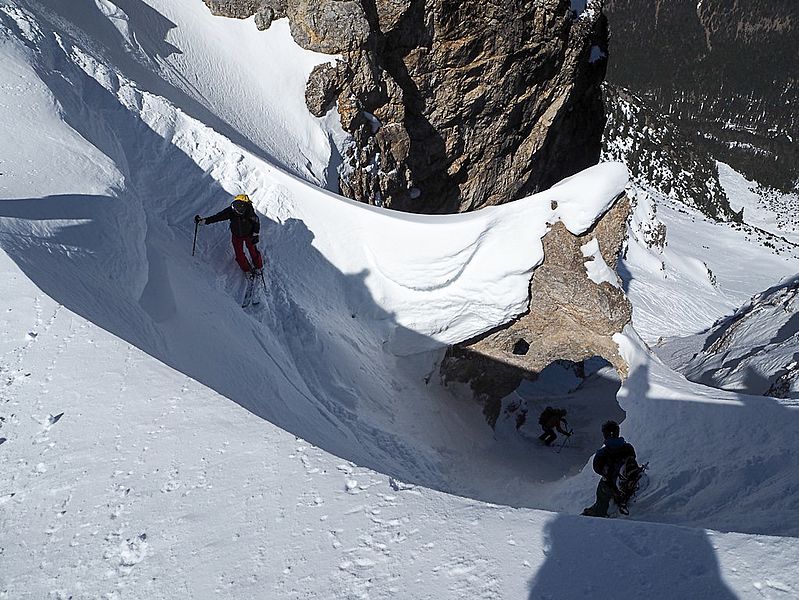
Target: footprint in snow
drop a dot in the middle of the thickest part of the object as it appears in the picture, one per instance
(2, 441)
(132, 552)
(50, 421)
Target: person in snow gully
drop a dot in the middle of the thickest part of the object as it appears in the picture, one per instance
(609, 460)
(244, 228)
(550, 420)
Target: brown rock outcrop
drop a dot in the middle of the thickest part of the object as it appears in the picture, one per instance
(570, 317)
(238, 9)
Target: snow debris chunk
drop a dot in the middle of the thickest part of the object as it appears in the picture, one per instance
(596, 54)
(596, 267)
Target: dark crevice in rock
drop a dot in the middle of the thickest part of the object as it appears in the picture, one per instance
(521, 347)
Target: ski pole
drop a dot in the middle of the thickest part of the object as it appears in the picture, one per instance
(194, 245)
(262, 279)
(563, 443)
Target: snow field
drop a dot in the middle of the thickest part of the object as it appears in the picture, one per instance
(168, 490)
(704, 271)
(156, 298)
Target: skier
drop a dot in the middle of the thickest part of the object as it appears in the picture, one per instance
(608, 462)
(244, 229)
(550, 420)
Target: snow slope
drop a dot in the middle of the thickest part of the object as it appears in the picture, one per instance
(152, 485)
(756, 350)
(345, 302)
(683, 271)
(769, 210)
(130, 473)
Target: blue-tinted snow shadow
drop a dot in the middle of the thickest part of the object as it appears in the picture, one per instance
(589, 557)
(587, 391)
(624, 274)
(738, 473)
(621, 560)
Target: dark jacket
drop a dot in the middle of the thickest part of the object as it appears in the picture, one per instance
(552, 419)
(240, 225)
(609, 458)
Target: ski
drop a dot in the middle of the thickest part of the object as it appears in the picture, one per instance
(252, 294)
(256, 297)
(248, 290)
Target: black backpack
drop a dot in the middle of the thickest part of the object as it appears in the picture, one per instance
(546, 415)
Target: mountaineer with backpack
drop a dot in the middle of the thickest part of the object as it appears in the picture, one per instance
(616, 463)
(244, 228)
(550, 420)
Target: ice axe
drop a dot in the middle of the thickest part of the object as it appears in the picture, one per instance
(196, 227)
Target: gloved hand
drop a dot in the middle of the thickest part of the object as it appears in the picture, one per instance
(254, 239)
(199, 220)
(570, 432)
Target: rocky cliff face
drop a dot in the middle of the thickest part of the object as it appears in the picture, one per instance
(724, 70)
(453, 105)
(570, 317)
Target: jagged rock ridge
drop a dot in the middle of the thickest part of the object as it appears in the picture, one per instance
(453, 106)
(756, 350)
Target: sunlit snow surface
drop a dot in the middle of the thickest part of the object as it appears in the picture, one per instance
(704, 271)
(131, 470)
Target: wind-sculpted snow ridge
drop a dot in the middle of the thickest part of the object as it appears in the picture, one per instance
(118, 463)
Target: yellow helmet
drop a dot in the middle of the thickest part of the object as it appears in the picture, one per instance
(243, 198)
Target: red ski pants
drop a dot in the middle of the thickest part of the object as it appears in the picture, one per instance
(238, 249)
